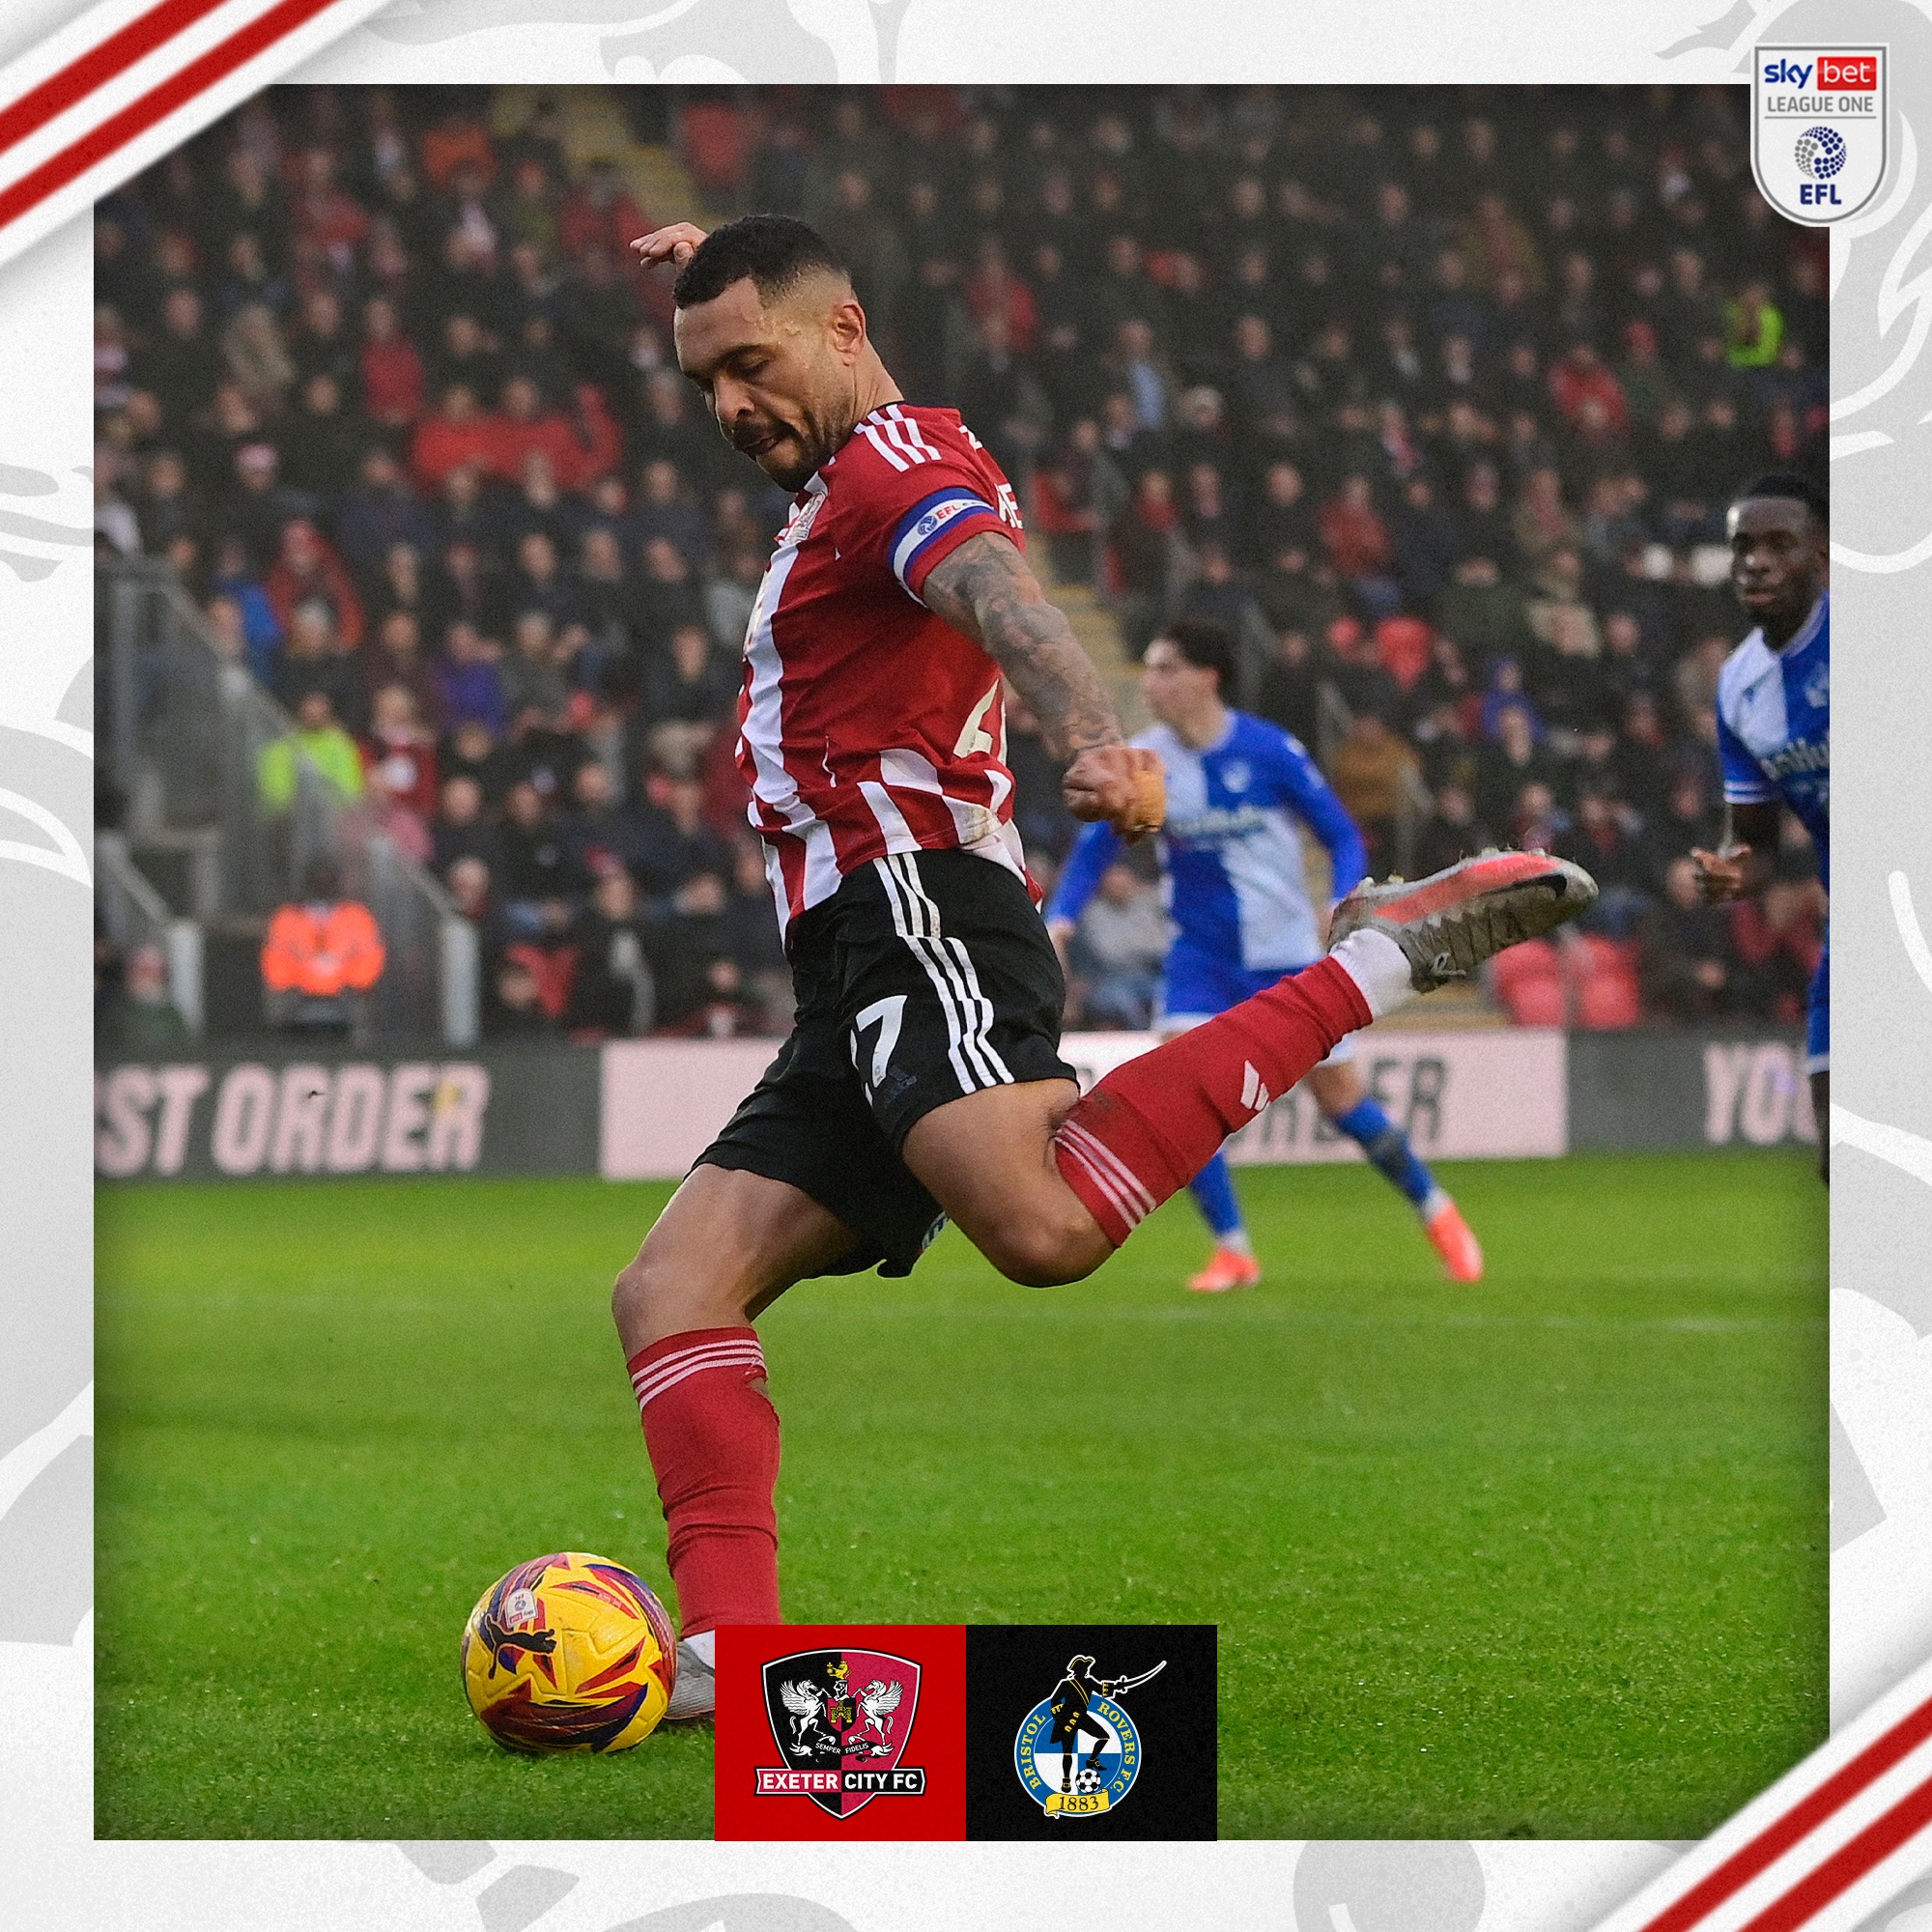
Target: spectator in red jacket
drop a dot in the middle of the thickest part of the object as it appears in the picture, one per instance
(600, 213)
(393, 377)
(399, 770)
(1353, 534)
(1778, 938)
(330, 225)
(310, 571)
(1588, 394)
(457, 141)
(579, 446)
(395, 656)
(458, 437)
(600, 445)
(1359, 545)
(993, 289)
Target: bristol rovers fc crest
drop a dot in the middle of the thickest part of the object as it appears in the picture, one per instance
(1078, 1751)
(841, 1719)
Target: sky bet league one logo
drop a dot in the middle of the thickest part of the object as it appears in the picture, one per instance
(1818, 129)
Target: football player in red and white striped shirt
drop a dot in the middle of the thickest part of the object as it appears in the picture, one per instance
(923, 1079)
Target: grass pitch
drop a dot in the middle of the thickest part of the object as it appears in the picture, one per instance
(1543, 1557)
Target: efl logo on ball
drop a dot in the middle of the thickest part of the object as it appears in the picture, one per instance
(1819, 128)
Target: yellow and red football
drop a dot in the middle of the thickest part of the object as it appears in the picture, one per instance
(569, 1652)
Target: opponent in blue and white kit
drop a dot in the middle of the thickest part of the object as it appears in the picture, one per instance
(1774, 719)
(1237, 791)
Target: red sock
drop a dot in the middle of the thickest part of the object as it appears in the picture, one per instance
(714, 1443)
(1151, 1125)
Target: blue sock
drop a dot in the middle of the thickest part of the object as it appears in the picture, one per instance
(1387, 1148)
(1213, 1192)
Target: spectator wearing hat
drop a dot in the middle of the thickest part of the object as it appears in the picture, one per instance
(261, 505)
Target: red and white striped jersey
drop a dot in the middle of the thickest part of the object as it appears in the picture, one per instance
(866, 724)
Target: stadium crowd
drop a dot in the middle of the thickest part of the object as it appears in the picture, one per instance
(1435, 398)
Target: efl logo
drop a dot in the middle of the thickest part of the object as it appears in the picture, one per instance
(1819, 130)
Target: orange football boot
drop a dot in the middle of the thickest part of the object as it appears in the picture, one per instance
(1450, 1237)
(1227, 1269)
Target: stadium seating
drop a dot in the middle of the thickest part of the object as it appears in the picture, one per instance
(1406, 387)
(1602, 974)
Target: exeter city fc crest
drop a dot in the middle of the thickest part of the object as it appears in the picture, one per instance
(1818, 129)
(841, 1719)
(1078, 1752)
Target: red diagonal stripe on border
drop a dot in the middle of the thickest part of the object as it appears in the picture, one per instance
(1849, 1863)
(98, 65)
(135, 119)
(1803, 1818)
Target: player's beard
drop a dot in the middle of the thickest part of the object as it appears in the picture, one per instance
(785, 467)
(799, 453)
(824, 424)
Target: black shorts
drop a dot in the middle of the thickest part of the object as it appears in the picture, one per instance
(925, 976)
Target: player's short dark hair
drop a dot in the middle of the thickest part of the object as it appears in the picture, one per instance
(1790, 485)
(1205, 645)
(775, 251)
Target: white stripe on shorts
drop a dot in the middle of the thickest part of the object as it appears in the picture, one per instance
(907, 922)
(976, 1009)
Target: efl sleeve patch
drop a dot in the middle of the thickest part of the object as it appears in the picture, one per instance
(933, 528)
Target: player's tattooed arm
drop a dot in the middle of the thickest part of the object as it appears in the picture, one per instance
(985, 590)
